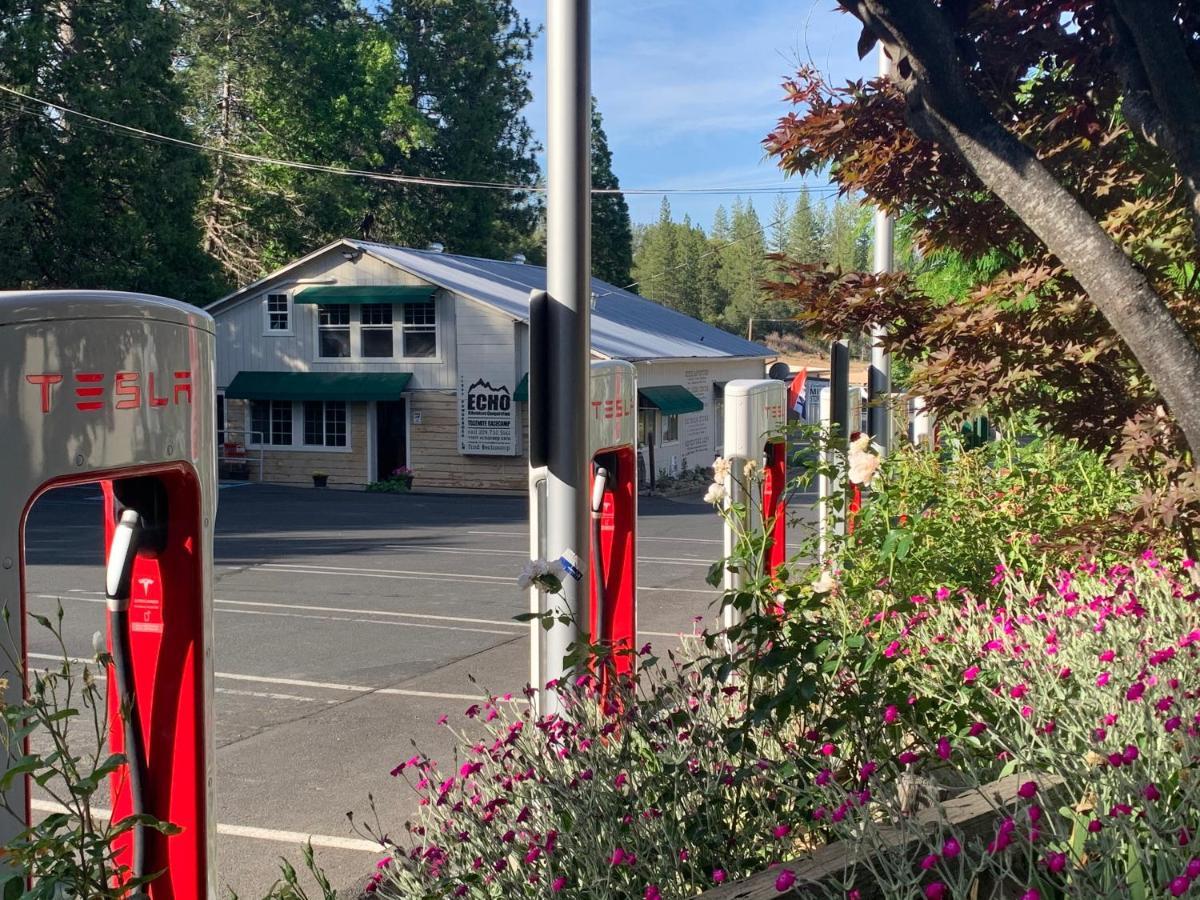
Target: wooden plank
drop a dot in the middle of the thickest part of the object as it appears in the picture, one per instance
(973, 814)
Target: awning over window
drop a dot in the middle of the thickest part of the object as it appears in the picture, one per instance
(521, 394)
(357, 294)
(317, 385)
(669, 399)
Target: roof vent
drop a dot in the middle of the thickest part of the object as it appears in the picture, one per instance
(436, 247)
(518, 258)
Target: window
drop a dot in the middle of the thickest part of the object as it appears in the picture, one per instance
(220, 419)
(377, 331)
(670, 432)
(420, 329)
(271, 422)
(646, 419)
(333, 331)
(279, 314)
(325, 423)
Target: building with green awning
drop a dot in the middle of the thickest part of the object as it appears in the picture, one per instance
(361, 359)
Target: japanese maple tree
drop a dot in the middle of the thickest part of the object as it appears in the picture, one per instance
(1054, 147)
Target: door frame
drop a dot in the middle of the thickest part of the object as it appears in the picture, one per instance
(373, 430)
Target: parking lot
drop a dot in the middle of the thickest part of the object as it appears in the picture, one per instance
(346, 623)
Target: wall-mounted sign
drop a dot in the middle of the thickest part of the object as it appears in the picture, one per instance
(697, 426)
(487, 417)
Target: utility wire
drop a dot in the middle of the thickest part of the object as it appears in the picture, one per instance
(420, 180)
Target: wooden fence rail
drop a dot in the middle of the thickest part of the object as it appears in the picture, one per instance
(973, 814)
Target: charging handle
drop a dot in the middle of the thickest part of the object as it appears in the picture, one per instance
(122, 552)
(599, 483)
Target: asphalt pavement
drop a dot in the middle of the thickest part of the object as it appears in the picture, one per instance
(346, 623)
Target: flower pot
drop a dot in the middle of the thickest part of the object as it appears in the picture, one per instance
(320, 481)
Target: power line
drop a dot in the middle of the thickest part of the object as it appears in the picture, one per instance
(418, 180)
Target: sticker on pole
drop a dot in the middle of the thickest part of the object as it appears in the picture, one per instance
(572, 564)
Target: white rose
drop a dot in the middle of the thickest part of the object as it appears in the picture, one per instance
(825, 584)
(715, 493)
(750, 470)
(860, 444)
(721, 468)
(862, 468)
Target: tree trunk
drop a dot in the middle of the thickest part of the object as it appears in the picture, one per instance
(943, 108)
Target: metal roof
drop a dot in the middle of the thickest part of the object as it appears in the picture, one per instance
(624, 325)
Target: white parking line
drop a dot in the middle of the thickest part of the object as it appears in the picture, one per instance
(299, 682)
(404, 574)
(641, 537)
(328, 841)
(75, 594)
(518, 628)
(475, 551)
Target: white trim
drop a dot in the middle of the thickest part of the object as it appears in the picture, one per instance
(372, 450)
(267, 330)
(297, 445)
(397, 339)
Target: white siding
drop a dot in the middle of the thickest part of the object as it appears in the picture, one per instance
(697, 431)
(243, 345)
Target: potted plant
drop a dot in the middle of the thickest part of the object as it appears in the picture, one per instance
(320, 479)
(404, 475)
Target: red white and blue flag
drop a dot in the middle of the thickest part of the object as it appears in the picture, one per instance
(796, 397)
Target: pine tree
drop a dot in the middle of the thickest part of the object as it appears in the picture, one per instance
(656, 265)
(744, 267)
(312, 80)
(720, 226)
(82, 205)
(781, 226)
(612, 233)
(849, 236)
(466, 66)
(806, 238)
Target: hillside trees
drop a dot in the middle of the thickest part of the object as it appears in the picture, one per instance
(1055, 142)
(612, 232)
(465, 66)
(80, 204)
(310, 80)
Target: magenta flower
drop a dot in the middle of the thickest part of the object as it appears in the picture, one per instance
(867, 770)
(652, 892)
(1179, 886)
(1108, 656)
(929, 861)
(1135, 691)
(1027, 790)
(558, 884)
(718, 876)
(970, 674)
(1130, 754)
(943, 747)
(1032, 894)
(785, 880)
(1193, 868)
(907, 758)
(779, 832)
(1151, 792)
(976, 729)
(1095, 826)
(951, 848)
(890, 715)
(1172, 723)
(935, 891)
(618, 857)
(1056, 862)
(1102, 679)
(823, 777)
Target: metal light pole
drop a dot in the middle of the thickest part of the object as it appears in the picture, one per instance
(568, 284)
(879, 375)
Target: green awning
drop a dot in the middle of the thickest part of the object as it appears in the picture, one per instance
(357, 294)
(317, 385)
(670, 399)
(521, 394)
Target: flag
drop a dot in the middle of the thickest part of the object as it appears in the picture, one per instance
(796, 396)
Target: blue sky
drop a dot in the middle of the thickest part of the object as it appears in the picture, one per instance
(689, 88)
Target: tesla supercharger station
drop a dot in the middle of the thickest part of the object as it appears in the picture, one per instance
(755, 416)
(827, 488)
(117, 389)
(611, 618)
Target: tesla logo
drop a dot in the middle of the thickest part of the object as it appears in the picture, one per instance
(127, 390)
(145, 583)
(610, 409)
